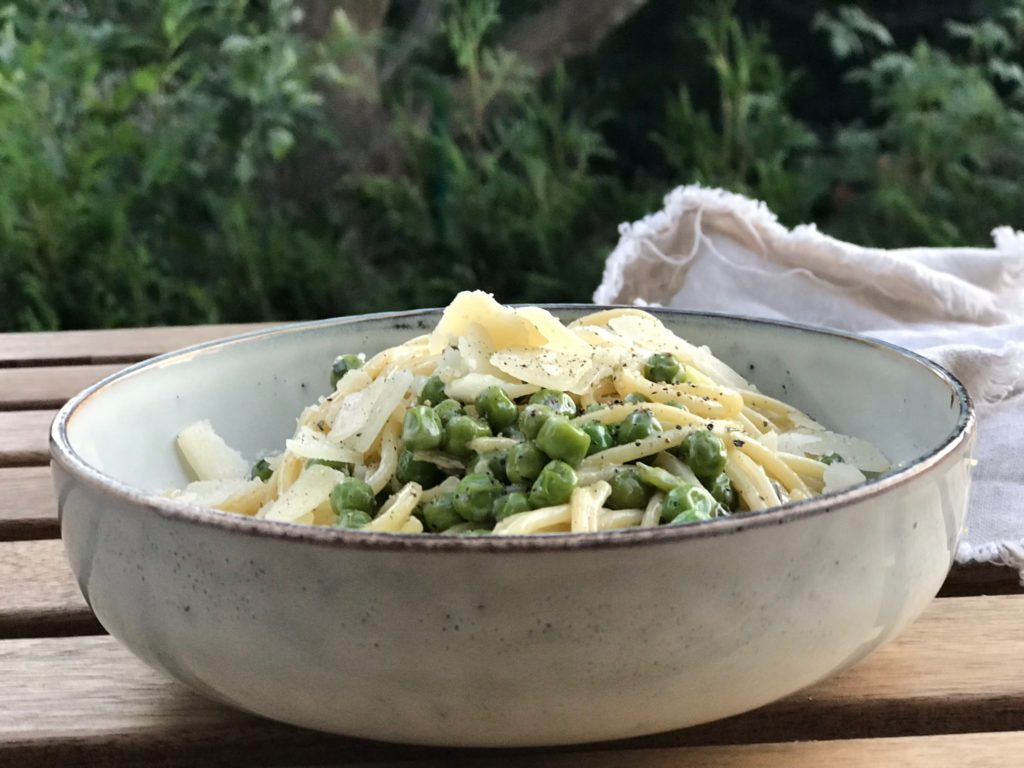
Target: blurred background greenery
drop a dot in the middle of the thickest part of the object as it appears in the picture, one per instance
(185, 161)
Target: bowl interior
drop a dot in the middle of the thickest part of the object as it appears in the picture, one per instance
(252, 388)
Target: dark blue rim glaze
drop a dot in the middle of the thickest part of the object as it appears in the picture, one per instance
(63, 454)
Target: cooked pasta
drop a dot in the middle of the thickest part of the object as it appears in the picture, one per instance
(506, 421)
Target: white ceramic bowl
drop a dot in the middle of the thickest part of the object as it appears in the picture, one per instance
(505, 641)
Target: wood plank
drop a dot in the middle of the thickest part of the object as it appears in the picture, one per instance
(28, 509)
(972, 750)
(123, 345)
(975, 750)
(24, 438)
(86, 700)
(47, 386)
(40, 596)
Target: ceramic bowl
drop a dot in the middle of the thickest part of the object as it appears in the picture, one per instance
(488, 641)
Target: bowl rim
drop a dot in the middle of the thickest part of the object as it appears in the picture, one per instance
(63, 454)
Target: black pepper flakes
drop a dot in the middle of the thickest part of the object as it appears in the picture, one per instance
(738, 443)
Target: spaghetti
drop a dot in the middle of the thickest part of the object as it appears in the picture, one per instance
(506, 421)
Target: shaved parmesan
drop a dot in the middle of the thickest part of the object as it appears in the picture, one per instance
(363, 414)
(208, 456)
(300, 501)
(853, 450)
(469, 387)
(310, 444)
(234, 495)
(550, 368)
(840, 475)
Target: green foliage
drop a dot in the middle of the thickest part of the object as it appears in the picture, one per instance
(149, 152)
(136, 148)
(942, 160)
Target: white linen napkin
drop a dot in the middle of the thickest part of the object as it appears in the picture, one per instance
(713, 250)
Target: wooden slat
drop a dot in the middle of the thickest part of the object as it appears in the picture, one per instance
(114, 346)
(974, 750)
(24, 438)
(87, 700)
(40, 596)
(28, 509)
(46, 386)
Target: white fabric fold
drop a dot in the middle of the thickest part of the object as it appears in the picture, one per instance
(712, 250)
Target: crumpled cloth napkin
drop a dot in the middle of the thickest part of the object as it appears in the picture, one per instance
(713, 250)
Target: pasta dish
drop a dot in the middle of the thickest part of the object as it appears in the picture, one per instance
(506, 421)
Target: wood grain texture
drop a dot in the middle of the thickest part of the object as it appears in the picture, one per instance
(47, 386)
(114, 346)
(24, 437)
(86, 700)
(40, 596)
(28, 509)
(974, 750)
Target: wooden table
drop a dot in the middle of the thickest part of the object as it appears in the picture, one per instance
(950, 691)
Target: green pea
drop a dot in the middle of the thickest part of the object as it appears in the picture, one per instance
(351, 493)
(353, 518)
(494, 464)
(635, 426)
(432, 392)
(704, 452)
(409, 470)
(600, 437)
(663, 368)
(422, 429)
(525, 462)
(447, 410)
(513, 431)
(497, 407)
(532, 418)
(628, 490)
(341, 466)
(261, 470)
(658, 477)
(687, 504)
(510, 504)
(560, 439)
(559, 402)
(440, 515)
(635, 397)
(342, 365)
(831, 458)
(475, 496)
(460, 432)
(723, 492)
(554, 485)
(594, 407)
